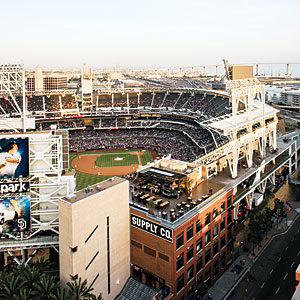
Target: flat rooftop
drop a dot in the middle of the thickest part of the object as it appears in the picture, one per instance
(226, 123)
(208, 189)
(94, 189)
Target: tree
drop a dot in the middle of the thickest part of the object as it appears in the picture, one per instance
(97, 298)
(45, 287)
(23, 294)
(10, 286)
(61, 294)
(79, 290)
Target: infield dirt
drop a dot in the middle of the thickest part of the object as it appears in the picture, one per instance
(87, 163)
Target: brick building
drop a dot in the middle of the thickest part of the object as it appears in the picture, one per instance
(180, 255)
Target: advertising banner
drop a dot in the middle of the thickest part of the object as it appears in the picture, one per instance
(14, 187)
(151, 227)
(14, 157)
(14, 214)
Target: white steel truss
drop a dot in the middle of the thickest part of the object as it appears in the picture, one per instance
(245, 91)
(251, 130)
(12, 83)
(47, 186)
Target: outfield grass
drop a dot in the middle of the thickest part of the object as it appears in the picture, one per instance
(85, 179)
(146, 157)
(108, 160)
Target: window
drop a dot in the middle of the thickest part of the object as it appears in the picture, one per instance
(180, 283)
(229, 220)
(207, 218)
(136, 244)
(199, 263)
(215, 213)
(222, 241)
(216, 268)
(190, 253)
(222, 208)
(190, 273)
(164, 257)
(215, 248)
(207, 237)
(91, 260)
(179, 240)
(199, 245)
(229, 202)
(207, 274)
(179, 262)
(223, 261)
(90, 235)
(96, 277)
(149, 251)
(222, 224)
(207, 256)
(215, 230)
(189, 233)
(198, 225)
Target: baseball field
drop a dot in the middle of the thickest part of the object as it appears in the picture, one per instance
(95, 166)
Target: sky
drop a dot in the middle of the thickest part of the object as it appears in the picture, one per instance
(152, 33)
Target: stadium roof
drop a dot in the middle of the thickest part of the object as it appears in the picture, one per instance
(226, 123)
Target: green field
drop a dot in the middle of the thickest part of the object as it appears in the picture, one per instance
(107, 160)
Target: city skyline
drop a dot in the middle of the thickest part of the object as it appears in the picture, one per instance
(149, 34)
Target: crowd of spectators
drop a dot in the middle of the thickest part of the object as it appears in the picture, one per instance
(68, 102)
(35, 103)
(164, 141)
(52, 103)
(7, 106)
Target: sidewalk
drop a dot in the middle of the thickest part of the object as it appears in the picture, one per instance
(227, 282)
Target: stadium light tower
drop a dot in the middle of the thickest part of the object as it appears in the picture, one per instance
(12, 83)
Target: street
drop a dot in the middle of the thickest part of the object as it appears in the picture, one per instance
(273, 274)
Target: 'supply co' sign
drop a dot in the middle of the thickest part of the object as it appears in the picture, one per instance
(154, 228)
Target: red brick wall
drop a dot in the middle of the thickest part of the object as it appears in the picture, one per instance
(166, 270)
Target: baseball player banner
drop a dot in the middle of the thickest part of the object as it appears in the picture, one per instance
(14, 158)
(14, 214)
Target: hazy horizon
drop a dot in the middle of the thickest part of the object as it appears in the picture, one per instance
(149, 33)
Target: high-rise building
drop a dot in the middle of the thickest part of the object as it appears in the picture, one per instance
(87, 88)
(41, 81)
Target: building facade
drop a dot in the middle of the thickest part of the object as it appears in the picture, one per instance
(182, 256)
(94, 237)
(41, 81)
(290, 97)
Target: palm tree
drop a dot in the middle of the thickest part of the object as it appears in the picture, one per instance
(10, 286)
(45, 287)
(97, 298)
(31, 275)
(60, 294)
(79, 290)
(24, 294)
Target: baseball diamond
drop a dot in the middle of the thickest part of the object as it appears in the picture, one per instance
(95, 166)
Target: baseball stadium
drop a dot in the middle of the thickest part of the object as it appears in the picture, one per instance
(197, 161)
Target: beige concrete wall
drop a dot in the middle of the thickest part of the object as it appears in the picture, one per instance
(78, 220)
(242, 72)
